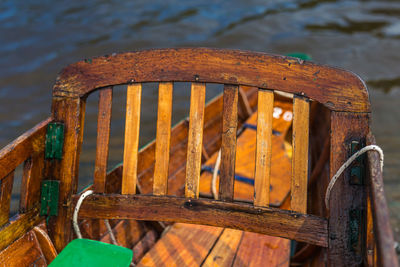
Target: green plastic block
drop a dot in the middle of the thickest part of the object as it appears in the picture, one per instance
(302, 56)
(86, 252)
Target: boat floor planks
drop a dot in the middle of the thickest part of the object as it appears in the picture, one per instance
(198, 245)
(182, 245)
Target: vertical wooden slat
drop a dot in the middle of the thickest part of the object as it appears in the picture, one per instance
(31, 180)
(228, 146)
(103, 138)
(344, 197)
(163, 136)
(301, 113)
(132, 126)
(5, 197)
(244, 103)
(195, 139)
(71, 111)
(264, 147)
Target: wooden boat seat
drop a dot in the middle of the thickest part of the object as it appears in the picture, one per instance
(195, 245)
(339, 91)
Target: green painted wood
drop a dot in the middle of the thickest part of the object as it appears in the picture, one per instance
(86, 252)
(54, 140)
(49, 198)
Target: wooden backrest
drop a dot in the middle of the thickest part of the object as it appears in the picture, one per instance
(340, 91)
(26, 150)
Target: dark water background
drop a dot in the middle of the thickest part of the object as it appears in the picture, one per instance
(38, 38)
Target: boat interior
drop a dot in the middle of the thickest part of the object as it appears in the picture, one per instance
(242, 181)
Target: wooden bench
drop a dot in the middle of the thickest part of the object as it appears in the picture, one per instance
(341, 92)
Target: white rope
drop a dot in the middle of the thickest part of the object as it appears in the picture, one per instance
(347, 164)
(76, 211)
(214, 177)
(75, 218)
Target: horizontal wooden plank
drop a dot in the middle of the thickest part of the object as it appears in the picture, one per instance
(21, 148)
(269, 221)
(342, 90)
(18, 226)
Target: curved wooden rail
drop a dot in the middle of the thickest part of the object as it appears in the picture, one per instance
(337, 89)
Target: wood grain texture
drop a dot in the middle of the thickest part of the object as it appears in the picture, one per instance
(131, 146)
(270, 221)
(5, 197)
(301, 116)
(224, 251)
(245, 107)
(24, 252)
(70, 111)
(245, 160)
(342, 90)
(261, 250)
(18, 226)
(20, 149)
(386, 254)
(195, 139)
(103, 139)
(262, 173)
(345, 127)
(45, 243)
(32, 177)
(182, 245)
(144, 245)
(228, 146)
(163, 139)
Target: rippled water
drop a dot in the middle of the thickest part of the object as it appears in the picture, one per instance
(38, 38)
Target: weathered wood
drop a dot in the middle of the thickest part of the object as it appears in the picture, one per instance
(19, 225)
(345, 127)
(5, 197)
(20, 149)
(261, 250)
(301, 110)
(195, 139)
(126, 232)
(342, 90)
(245, 107)
(263, 148)
(24, 252)
(182, 245)
(163, 138)
(144, 245)
(70, 111)
(228, 146)
(103, 139)
(31, 181)
(386, 254)
(132, 126)
(224, 251)
(245, 160)
(270, 221)
(45, 244)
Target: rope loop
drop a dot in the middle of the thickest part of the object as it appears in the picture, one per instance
(75, 218)
(347, 164)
